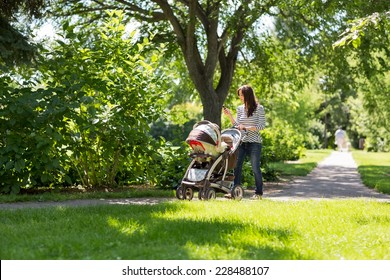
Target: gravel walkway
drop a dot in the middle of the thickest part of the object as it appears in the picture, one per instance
(84, 202)
(334, 178)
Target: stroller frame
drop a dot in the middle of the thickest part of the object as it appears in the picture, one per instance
(210, 174)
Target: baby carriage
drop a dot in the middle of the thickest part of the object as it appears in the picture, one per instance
(214, 156)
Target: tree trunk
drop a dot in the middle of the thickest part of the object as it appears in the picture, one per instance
(325, 144)
(212, 99)
(212, 106)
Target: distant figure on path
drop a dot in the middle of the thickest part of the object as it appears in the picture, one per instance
(340, 139)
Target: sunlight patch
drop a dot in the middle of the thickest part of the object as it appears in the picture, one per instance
(128, 228)
(212, 251)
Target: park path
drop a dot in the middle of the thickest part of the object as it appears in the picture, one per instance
(85, 202)
(336, 177)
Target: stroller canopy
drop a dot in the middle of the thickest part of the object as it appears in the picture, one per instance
(205, 137)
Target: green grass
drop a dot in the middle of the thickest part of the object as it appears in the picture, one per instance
(374, 169)
(218, 230)
(301, 167)
(334, 230)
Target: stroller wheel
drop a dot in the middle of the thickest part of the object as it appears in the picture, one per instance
(188, 193)
(210, 194)
(183, 192)
(180, 192)
(237, 192)
(201, 194)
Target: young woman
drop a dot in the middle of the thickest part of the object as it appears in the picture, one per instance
(250, 120)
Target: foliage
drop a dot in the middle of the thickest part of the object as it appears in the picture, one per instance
(368, 125)
(369, 38)
(172, 132)
(358, 27)
(9, 9)
(14, 47)
(209, 36)
(178, 123)
(172, 162)
(284, 144)
(84, 117)
(28, 138)
(338, 71)
(369, 113)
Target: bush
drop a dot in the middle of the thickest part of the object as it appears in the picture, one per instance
(281, 144)
(172, 163)
(84, 117)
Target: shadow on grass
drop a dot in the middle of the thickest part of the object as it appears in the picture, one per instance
(139, 232)
(198, 238)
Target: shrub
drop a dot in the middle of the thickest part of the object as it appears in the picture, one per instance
(84, 116)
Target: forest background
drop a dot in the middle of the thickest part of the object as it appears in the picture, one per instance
(109, 99)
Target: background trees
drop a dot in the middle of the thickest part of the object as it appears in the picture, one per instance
(367, 40)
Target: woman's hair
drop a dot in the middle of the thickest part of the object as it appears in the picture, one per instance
(249, 99)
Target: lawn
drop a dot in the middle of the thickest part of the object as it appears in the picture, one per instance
(217, 230)
(374, 169)
(301, 167)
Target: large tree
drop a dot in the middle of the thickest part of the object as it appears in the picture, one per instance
(208, 33)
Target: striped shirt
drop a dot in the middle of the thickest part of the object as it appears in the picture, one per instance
(256, 120)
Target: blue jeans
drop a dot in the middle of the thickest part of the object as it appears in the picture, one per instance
(253, 150)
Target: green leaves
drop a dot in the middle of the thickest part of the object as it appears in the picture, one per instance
(88, 120)
(359, 27)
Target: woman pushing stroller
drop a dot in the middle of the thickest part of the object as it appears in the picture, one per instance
(250, 120)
